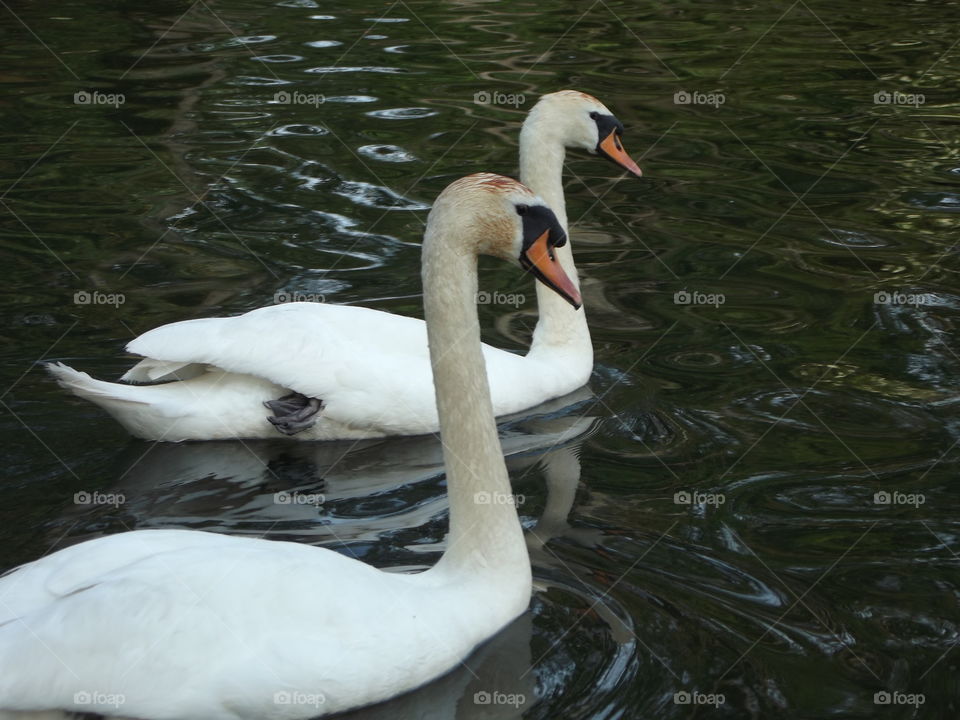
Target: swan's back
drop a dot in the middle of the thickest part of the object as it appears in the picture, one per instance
(228, 621)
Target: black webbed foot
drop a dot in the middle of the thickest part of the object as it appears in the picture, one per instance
(293, 413)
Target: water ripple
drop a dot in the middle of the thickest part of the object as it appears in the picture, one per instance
(411, 113)
(370, 195)
(341, 69)
(386, 153)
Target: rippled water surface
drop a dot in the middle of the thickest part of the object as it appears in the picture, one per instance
(773, 310)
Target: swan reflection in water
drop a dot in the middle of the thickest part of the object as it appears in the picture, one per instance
(352, 491)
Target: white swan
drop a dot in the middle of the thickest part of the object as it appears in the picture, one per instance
(331, 372)
(179, 624)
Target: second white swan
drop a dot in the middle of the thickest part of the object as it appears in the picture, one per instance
(328, 372)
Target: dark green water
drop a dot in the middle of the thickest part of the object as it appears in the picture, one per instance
(799, 197)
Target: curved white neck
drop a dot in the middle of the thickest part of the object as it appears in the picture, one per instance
(485, 532)
(541, 170)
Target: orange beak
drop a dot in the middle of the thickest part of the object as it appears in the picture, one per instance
(611, 148)
(540, 260)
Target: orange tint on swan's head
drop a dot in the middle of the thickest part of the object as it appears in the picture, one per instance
(490, 182)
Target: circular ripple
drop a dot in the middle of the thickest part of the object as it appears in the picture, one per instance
(386, 153)
(253, 39)
(278, 58)
(411, 113)
(300, 130)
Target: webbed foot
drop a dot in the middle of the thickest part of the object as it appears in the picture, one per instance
(293, 413)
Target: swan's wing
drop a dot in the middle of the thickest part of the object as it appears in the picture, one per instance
(26, 588)
(371, 369)
(160, 557)
(312, 348)
(151, 610)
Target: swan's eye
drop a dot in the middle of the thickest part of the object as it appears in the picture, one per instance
(522, 209)
(594, 114)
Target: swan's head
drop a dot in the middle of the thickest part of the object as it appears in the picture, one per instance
(577, 120)
(506, 219)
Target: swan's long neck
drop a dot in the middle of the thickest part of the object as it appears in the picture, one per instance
(541, 170)
(485, 532)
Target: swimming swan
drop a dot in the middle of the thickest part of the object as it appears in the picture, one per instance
(182, 624)
(334, 372)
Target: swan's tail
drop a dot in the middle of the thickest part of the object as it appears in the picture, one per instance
(214, 405)
(109, 396)
(128, 404)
